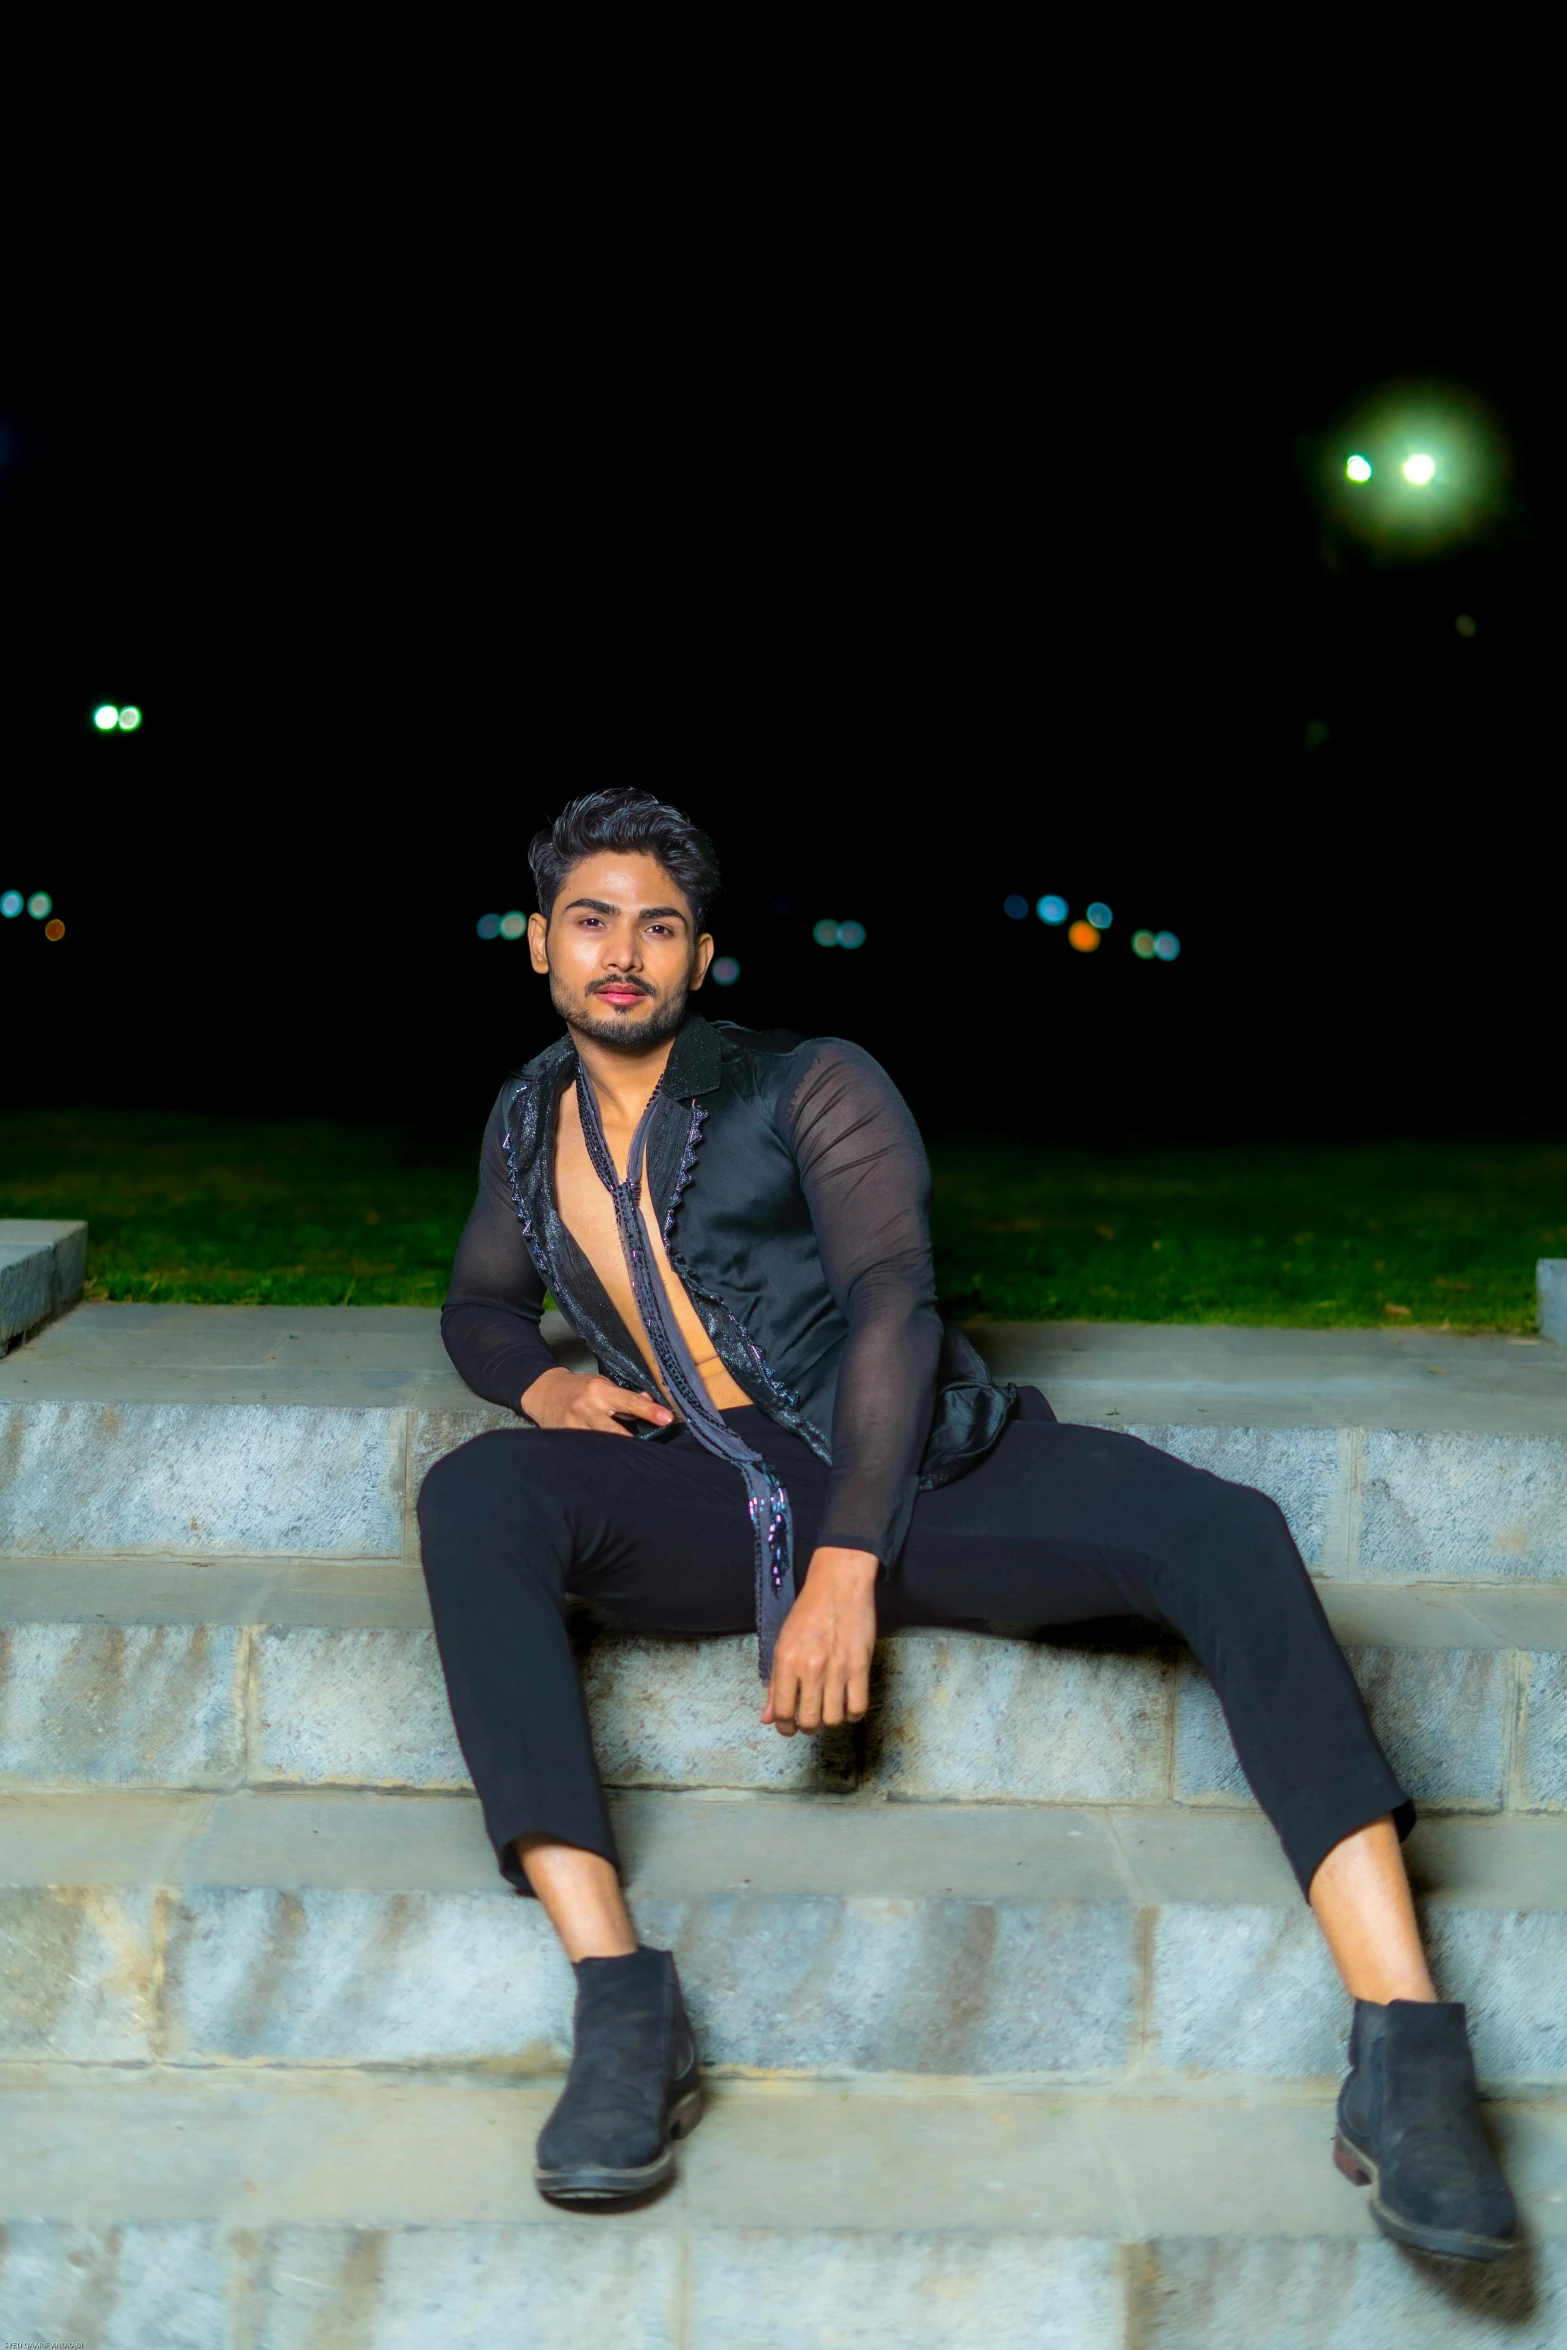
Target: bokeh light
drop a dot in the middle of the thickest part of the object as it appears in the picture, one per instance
(825, 933)
(1357, 468)
(54, 929)
(513, 924)
(1100, 915)
(488, 926)
(1418, 469)
(1166, 946)
(1052, 910)
(130, 718)
(1084, 937)
(1015, 906)
(40, 905)
(1142, 944)
(106, 717)
(1465, 624)
(851, 934)
(725, 971)
(11, 903)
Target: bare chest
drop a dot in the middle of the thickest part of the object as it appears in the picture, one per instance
(588, 1213)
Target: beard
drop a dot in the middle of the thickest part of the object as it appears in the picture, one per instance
(619, 1030)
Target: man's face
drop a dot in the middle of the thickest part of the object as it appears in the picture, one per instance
(620, 949)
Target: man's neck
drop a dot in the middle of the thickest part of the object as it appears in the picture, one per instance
(623, 1081)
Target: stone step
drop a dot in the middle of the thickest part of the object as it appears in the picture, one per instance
(43, 1264)
(288, 2211)
(209, 1432)
(165, 1674)
(1151, 1948)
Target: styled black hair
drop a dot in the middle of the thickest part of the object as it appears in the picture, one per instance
(625, 818)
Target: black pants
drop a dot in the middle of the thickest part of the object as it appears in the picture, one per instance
(1058, 1525)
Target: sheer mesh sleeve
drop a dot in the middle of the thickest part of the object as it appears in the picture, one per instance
(867, 1183)
(490, 1321)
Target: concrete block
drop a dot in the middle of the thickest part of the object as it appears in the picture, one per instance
(800, 1982)
(1243, 1988)
(121, 1705)
(1299, 1468)
(1461, 1506)
(919, 2289)
(684, 1713)
(192, 1480)
(1441, 1714)
(118, 2288)
(1209, 2292)
(964, 1716)
(365, 1976)
(77, 1972)
(551, 2282)
(433, 1434)
(43, 1264)
(1542, 1759)
(359, 1707)
(1550, 1275)
(1508, 1966)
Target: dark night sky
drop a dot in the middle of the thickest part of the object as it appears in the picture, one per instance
(992, 582)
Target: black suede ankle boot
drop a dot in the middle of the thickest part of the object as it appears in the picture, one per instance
(1409, 2126)
(632, 2087)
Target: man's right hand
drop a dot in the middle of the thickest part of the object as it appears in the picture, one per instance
(574, 1399)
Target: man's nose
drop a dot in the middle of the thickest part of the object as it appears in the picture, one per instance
(623, 948)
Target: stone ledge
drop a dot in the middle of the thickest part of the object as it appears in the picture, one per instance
(1550, 1275)
(43, 1265)
(1148, 1948)
(87, 1702)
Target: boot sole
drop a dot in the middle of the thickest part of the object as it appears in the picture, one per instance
(588, 2184)
(1446, 2243)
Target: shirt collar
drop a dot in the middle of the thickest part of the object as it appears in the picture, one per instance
(695, 1063)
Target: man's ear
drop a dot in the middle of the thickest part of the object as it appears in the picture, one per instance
(537, 931)
(704, 955)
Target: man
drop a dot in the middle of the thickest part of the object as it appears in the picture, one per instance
(737, 1226)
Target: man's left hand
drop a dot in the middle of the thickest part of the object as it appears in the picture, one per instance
(822, 1664)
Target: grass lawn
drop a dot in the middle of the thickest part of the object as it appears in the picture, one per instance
(243, 1211)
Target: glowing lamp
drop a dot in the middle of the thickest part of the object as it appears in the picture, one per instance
(488, 926)
(1100, 915)
(825, 933)
(1016, 907)
(851, 934)
(54, 929)
(1357, 468)
(106, 718)
(1142, 944)
(513, 924)
(11, 904)
(1084, 937)
(1166, 946)
(40, 905)
(725, 971)
(1418, 470)
(130, 718)
(1051, 910)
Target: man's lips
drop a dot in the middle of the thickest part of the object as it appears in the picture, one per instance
(619, 992)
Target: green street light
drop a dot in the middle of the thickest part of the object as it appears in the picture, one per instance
(1358, 469)
(106, 718)
(130, 718)
(1418, 470)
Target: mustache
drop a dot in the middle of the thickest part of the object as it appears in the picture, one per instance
(640, 985)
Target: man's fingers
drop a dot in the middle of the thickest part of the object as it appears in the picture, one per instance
(859, 1694)
(781, 1701)
(631, 1406)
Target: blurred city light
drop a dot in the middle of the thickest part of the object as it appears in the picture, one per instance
(851, 934)
(1465, 624)
(40, 905)
(1418, 470)
(1084, 937)
(1100, 915)
(1015, 906)
(725, 971)
(513, 925)
(825, 933)
(1051, 910)
(54, 929)
(106, 718)
(130, 718)
(1357, 469)
(488, 926)
(11, 903)
(1142, 944)
(1166, 946)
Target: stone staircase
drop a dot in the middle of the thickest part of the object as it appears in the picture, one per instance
(1019, 2032)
